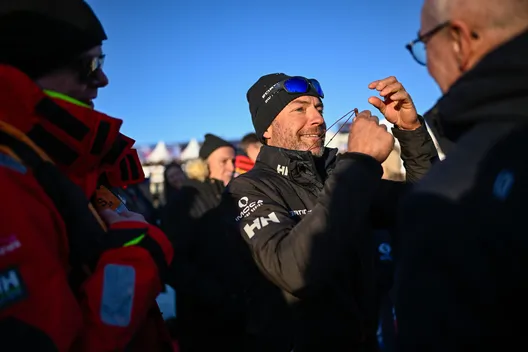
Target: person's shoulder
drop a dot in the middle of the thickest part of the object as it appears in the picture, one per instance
(191, 186)
(257, 175)
(18, 183)
(482, 160)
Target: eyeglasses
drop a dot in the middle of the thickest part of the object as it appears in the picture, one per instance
(87, 67)
(417, 47)
(294, 85)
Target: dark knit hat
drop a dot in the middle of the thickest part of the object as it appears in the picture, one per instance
(38, 36)
(212, 143)
(263, 113)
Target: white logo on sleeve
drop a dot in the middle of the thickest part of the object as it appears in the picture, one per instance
(247, 207)
(300, 212)
(259, 223)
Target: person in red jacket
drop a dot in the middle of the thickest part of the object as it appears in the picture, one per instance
(250, 146)
(71, 278)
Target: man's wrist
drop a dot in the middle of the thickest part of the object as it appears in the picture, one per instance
(410, 127)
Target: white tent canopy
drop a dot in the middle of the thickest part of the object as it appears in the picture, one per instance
(191, 151)
(160, 154)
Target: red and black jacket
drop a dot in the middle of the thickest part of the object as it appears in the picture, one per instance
(68, 283)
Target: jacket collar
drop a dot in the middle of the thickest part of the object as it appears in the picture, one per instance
(298, 166)
(494, 90)
(78, 139)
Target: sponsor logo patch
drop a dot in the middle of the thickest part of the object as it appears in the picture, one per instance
(12, 287)
(247, 207)
(259, 223)
(503, 184)
(294, 213)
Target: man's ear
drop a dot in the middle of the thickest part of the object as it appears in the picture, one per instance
(267, 134)
(462, 44)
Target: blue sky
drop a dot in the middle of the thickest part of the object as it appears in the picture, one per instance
(179, 69)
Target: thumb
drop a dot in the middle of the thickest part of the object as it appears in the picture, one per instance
(378, 104)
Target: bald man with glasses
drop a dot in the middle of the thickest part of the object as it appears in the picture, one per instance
(461, 283)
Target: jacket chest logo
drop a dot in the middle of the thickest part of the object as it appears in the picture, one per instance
(283, 170)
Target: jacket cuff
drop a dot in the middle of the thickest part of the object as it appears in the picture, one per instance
(415, 144)
(366, 160)
(403, 135)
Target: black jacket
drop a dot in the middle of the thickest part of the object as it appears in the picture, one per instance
(189, 204)
(462, 281)
(208, 271)
(181, 222)
(308, 226)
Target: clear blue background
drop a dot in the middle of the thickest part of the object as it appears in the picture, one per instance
(179, 69)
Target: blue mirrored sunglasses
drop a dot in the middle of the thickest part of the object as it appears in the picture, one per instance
(295, 85)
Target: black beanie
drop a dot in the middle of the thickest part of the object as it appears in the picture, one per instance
(38, 36)
(263, 113)
(212, 143)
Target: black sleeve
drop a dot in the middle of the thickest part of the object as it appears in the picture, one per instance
(418, 154)
(417, 151)
(300, 257)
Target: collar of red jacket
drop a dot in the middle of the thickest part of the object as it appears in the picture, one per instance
(80, 140)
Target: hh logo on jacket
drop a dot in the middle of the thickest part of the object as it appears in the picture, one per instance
(12, 288)
(259, 223)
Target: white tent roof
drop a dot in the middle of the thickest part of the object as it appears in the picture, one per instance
(176, 151)
(192, 150)
(159, 154)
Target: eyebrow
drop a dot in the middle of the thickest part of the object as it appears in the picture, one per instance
(306, 102)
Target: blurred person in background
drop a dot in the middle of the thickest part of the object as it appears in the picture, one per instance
(197, 291)
(392, 167)
(207, 177)
(462, 280)
(250, 146)
(173, 179)
(73, 279)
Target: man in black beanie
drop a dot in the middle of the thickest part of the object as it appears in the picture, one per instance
(307, 215)
(72, 278)
(57, 43)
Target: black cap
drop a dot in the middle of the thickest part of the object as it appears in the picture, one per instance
(212, 143)
(264, 112)
(38, 36)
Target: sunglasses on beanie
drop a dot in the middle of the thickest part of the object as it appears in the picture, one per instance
(294, 85)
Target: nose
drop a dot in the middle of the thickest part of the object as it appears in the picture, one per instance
(100, 79)
(315, 117)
